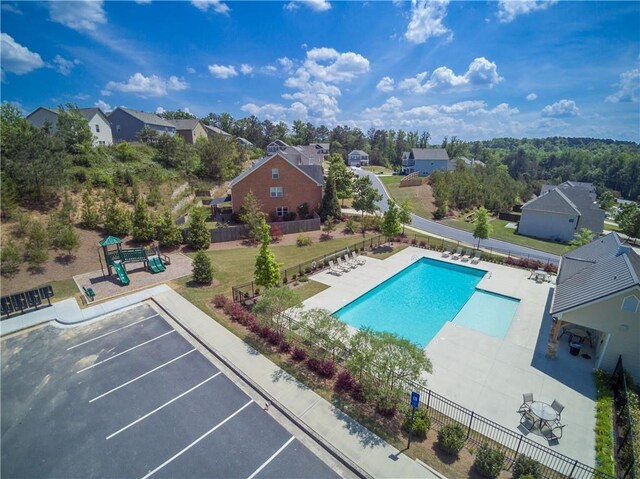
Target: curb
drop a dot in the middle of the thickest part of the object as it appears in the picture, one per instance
(288, 414)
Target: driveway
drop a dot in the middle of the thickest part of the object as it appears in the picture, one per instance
(456, 234)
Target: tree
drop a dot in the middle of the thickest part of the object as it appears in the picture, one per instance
(143, 226)
(198, 236)
(202, 268)
(37, 249)
(482, 228)
(267, 272)
(329, 205)
(628, 218)
(273, 303)
(390, 221)
(67, 240)
(329, 226)
(90, 215)
(220, 157)
(252, 216)
(320, 328)
(117, 219)
(404, 214)
(169, 235)
(607, 200)
(365, 196)
(176, 115)
(9, 259)
(582, 237)
(342, 176)
(73, 129)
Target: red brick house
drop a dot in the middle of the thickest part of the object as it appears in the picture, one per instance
(281, 182)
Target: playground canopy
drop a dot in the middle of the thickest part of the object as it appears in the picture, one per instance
(110, 240)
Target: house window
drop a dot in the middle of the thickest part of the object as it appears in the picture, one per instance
(630, 304)
(117, 127)
(275, 191)
(97, 128)
(281, 211)
(571, 220)
(275, 173)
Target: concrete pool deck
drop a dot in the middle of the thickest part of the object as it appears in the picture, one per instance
(486, 374)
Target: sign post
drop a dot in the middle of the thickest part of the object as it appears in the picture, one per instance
(415, 403)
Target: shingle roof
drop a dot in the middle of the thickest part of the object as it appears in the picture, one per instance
(149, 118)
(217, 130)
(596, 270)
(358, 152)
(185, 124)
(310, 152)
(293, 157)
(430, 154)
(88, 113)
(554, 201)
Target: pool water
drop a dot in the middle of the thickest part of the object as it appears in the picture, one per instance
(489, 313)
(419, 300)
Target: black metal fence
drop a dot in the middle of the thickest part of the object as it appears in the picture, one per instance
(20, 303)
(625, 445)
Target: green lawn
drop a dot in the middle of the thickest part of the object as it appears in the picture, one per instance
(501, 232)
(63, 289)
(610, 227)
(392, 184)
(604, 423)
(379, 170)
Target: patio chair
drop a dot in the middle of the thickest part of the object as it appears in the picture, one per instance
(558, 408)
(457, 254)
(555, 432)
(358, 259)
(446, 253)
(334, 269)
(342, 265)
(466, 256)
(527, 399)
(477, 257)
(349, 261)
(527, 419)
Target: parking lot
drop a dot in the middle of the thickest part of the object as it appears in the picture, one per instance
(129, 396)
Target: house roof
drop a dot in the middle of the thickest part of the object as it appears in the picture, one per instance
(429, 154)
(311, 152)
(568, 185)
(469, 162)
(143, 116)
(185, 124)
(87, 113)
(314, 172)
(41, 108)
(278, 143)
(554, 201)
(358, 152)
(594, 271)
(215, 129)
(244, 141)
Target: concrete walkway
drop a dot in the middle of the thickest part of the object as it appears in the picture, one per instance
(328, 424)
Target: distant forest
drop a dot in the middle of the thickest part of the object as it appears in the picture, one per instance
(610, 164)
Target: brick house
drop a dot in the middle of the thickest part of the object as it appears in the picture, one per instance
(281, 183)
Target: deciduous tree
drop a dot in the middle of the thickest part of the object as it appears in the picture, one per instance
(273, 303)
(252, 216)
(482, 228)
(365, 196)
(390, 221)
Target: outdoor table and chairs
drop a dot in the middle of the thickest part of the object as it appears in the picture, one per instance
(542, 416)
(539, 275)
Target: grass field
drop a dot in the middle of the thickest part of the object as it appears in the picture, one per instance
(419, 197)
(379, 170)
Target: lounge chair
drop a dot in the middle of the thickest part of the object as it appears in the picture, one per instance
(346, 259)
(358, 259)
(342, 265)
(446, 253)
(466, 256)
(477, 257)
(334, 269)
(527, 399)
(457, 254)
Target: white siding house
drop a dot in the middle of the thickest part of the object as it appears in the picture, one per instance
(97, 121)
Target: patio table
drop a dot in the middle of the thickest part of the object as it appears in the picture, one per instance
(544, 412)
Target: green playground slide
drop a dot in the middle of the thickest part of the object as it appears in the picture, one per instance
(122, 274)
(160, 264)
(156, 265)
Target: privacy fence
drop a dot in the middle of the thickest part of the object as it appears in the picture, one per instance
(626, 454)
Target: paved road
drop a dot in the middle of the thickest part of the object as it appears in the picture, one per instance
(456, 234)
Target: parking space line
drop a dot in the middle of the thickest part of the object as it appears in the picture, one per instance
(125, 351)
(140, 377)
(171, 459)
(111, 332)
(164, 405)
(275, 454)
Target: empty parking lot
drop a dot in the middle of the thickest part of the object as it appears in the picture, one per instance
(128, 396)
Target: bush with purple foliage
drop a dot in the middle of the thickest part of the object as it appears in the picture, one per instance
(345, 382)
(220, 301)
(299, 354)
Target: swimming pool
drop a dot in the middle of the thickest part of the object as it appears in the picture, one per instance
(419, 300)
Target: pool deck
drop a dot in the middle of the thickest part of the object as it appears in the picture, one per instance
(486, 374)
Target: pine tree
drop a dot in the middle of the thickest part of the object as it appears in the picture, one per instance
(117, 220)
(199, 236)
(330, 205)
(90, 214)
(202, 268)
(67, 240)
(267, 272)
(10, 259)
(37, 249)
(143, 226)
(169, 235)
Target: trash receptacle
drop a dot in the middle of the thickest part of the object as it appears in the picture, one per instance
(574, 348)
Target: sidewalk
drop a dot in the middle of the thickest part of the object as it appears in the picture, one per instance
(356, 443)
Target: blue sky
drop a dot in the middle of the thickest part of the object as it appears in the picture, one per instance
(477, 70)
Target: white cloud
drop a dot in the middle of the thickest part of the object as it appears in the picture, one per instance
(147, 86)
(269, 70)
(63, 65)
(246, 69)
(222, 71)
(16, 58)
(531, 97)
(327, 64)
(81, 15)
(385, 85)
(10, 7)
(191, 70)
(315, 5)
(103, 105)
(287, 64)
(481, 73)
(628, 87)
(508, 10)
(160, 110)
(276, 111)
(216, 5)
(81, 96)
(561, 109)
(426, 21)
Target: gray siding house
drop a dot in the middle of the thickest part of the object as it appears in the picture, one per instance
(358, 158)
(425, 161)
(559, 213)
(126, 123)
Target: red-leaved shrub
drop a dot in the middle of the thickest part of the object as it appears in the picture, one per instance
(357, 392)
(220, 301)
(274, 337)
(345, 382)
(264, 331)
(285, 346)
(237, 312)
(299, 354)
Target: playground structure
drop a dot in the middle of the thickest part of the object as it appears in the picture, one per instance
(116, 259)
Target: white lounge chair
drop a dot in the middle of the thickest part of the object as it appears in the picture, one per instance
(334, 269)
(446, 253)
(466, 256)
(457, 254)
(342, 265)
(358, 259)
(477, 257)
(348, 262)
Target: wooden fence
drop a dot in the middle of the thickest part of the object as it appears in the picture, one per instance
(412, 179)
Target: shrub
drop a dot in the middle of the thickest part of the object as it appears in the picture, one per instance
(236, 312)
(351, 226)
(255, 328)
(276, 233)
(385, 410)
(220, 301)
(264, 332)
(299, 354)
(357, 392)
(303, 240)
(524, 466)
(421, 423)
(345, 382)
(414, 241)
(327, 369)
(451, 438)
(489, 461)
(202, 268)
(423, 244)
(313, 364)
(274, 337)
(285, 346)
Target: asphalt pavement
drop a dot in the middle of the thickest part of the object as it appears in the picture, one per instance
(455, 234)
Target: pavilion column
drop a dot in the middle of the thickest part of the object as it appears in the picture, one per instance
(552, 344)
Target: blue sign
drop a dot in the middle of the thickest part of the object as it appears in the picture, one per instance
(415, 399)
